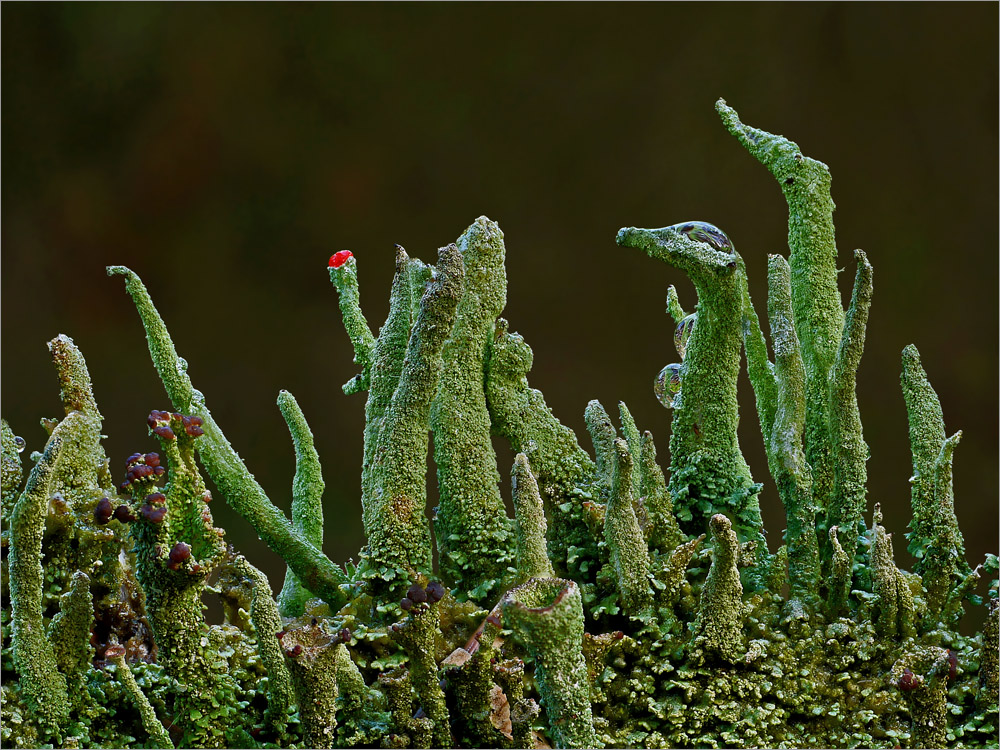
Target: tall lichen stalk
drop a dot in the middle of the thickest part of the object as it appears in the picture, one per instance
(619, 606)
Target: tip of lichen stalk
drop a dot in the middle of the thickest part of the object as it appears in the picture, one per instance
(339, 259)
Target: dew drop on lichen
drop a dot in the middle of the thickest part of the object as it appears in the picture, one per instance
(710, 234)
(683, 333)
(668, 384)
(19, 443)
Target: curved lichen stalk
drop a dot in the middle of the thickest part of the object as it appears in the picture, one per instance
(708, 471)
(783, 437)
(547, 616)
(307, 499)
(315, 571)
(819, 315)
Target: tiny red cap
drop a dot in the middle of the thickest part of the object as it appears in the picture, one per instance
(339, 259)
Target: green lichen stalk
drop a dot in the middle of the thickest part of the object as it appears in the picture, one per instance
(158, 735)
(935, 538)
(629, 556)
(398, 534)
(708, 471)
(43, 685)
(315, 571)
(529, 524)
(547, 615)
(783, 439)
(307, 499)
(719, 627)
(472, 527)
(819, 316)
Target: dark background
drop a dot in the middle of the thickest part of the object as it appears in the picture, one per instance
(225, 151)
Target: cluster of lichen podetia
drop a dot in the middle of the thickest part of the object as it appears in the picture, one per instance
(615, 609)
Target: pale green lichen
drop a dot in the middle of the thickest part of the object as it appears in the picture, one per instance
(629, 556)
(345, 279)
(158, 735)
(708, 471)
(895, 611)
(783, 437)
(416, 636)
(398, 535)
(471, 525)
(547, 615)
(307, 499)
(267, 623)
(532, 561)
(316, 572)
(43, 686)
(69, 633)
(819, 316)
(653, 636)
(719, 628)
(311, 655)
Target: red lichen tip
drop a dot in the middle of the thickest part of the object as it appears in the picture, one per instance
(339, 259)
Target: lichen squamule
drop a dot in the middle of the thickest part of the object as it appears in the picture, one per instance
(626, 604)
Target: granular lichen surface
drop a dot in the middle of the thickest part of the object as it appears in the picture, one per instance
(628, 602)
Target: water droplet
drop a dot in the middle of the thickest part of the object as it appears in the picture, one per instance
(668, 385)
(19, 443)
(710, 234)
(683, 332)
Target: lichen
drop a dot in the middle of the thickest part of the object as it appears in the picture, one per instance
(619, 606)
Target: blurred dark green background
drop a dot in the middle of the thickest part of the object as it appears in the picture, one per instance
(225, 151)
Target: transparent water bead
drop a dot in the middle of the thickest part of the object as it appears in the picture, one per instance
(683, 332)
(19, 443)
(668, 384)
(710, 234)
